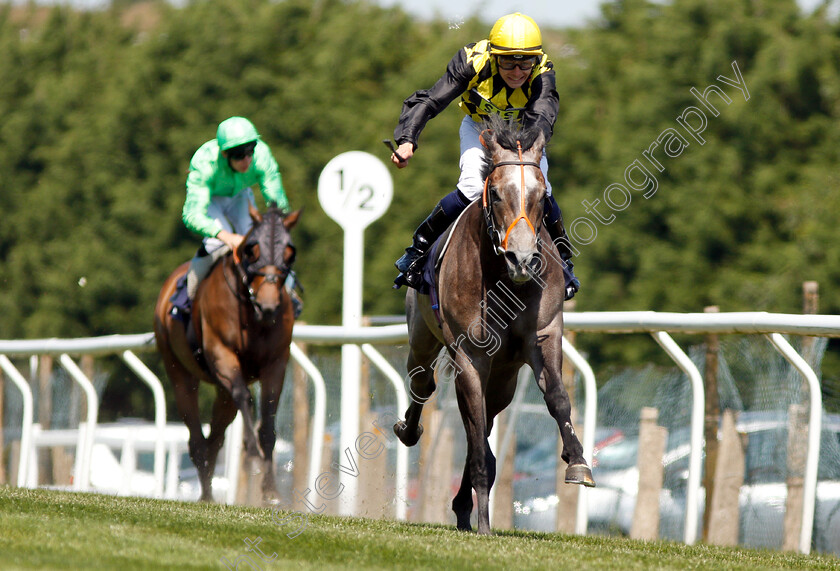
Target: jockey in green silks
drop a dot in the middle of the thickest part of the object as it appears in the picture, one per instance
(219, 193)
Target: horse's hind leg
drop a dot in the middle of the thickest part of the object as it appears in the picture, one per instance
(481, 464)
(495, 402)
(462, 504)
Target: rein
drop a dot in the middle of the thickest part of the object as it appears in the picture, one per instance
(499, 241)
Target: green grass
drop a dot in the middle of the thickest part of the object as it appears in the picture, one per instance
(42, 529)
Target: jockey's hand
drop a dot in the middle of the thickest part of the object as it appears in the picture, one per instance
(230, 239)
(406, 150)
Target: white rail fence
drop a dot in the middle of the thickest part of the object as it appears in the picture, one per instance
(659, 325)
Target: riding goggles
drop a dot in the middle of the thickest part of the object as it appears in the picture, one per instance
(242, 151)
(509, 63)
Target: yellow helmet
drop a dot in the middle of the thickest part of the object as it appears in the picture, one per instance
(515, 34)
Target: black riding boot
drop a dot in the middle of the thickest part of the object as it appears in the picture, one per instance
(425, 235)
(557, 231)
(292, 285)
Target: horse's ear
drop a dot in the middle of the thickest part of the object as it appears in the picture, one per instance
(539, 143)
(487, 137)
(255, 214)
(290, 220)
(250, 252)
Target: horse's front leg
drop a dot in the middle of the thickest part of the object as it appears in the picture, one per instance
(225, 368)
(224, 411)
(186, 400)
(423, 349)
(271, 381)
(462, 504)
(421, 387)
(481, 463)
(547, 364)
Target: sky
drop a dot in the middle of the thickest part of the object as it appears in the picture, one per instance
(548, 13)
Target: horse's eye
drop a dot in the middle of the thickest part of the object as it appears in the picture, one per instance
(494, 196)
(252, 252)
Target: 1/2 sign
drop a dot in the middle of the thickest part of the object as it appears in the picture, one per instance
(355, 188)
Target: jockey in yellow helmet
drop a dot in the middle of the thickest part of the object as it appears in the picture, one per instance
(509, 75)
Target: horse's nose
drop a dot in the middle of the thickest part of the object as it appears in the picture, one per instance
(267, 313)
(534, 264)
(267, 296)
(522, 266)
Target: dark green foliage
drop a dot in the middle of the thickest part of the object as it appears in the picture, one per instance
(102, 111)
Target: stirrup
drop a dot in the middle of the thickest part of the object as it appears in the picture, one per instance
(409, 260)
(180, 314)
(412, 276)
(572, 283)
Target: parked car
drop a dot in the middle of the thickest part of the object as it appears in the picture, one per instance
(762, 496)
(613, 467)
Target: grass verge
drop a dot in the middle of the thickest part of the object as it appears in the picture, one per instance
(44, 529)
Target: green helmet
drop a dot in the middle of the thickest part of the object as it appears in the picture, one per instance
(235, 131)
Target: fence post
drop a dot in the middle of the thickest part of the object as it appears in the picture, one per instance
(45, 416)
(796, 452)
(798, 433)
(810, 306)
(435, 469)
(374, 480)
(723, 521)
(651, 471)
(372, 471)
(710, 428)
(503, 502)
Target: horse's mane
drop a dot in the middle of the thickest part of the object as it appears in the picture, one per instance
(506, 134)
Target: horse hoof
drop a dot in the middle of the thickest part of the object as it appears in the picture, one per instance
(464, 526)
(580, 474)
(400, 429)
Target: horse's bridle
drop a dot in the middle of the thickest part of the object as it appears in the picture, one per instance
(246, 277)
(499, 241)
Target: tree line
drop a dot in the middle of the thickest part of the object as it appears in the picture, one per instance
(730, 205)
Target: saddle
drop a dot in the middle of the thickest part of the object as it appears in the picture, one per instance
(182, 311)
(423, 274)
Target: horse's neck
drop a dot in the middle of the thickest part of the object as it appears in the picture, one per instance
(470, 232)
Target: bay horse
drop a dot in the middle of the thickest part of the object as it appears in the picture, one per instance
(241, 322)
(500, 290)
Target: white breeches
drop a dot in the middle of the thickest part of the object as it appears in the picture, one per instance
(471, 184)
